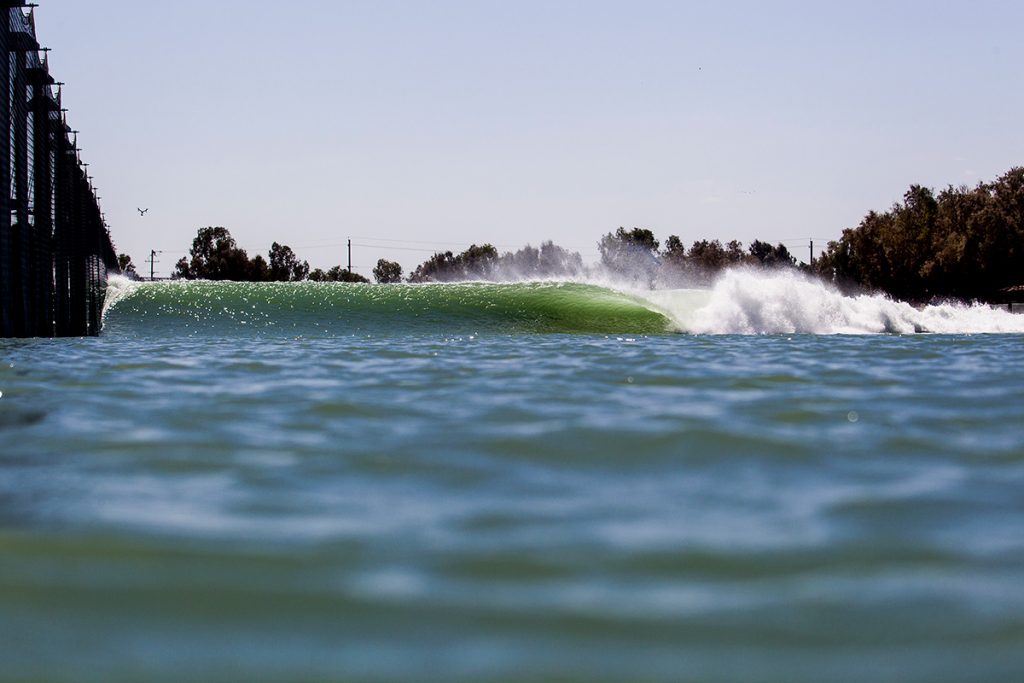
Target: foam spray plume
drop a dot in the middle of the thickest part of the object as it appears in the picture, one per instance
(746, 302)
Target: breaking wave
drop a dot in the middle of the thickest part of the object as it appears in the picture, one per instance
(310, 308)
(740, 303)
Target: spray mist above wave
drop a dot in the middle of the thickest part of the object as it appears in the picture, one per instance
(745, 302)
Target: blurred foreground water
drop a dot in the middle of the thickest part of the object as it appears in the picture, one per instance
(222, 503)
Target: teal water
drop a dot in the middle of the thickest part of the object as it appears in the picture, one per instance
(528, 483)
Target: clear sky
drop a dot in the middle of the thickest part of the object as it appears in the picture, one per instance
(426, 125)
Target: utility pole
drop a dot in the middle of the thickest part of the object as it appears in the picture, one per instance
(152, 264)
(812, 253)
(350, 257)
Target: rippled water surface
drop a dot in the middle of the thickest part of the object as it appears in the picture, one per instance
(433, 507)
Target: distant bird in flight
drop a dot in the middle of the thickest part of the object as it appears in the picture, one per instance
(142, 212)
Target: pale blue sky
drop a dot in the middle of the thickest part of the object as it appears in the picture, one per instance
(443, 123)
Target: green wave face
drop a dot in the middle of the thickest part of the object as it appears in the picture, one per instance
(325, 309)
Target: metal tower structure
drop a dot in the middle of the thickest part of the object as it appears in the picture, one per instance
(55, 249)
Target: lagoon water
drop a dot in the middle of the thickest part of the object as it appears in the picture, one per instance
(558, 482)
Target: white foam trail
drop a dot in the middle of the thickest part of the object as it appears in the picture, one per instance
(754, 302)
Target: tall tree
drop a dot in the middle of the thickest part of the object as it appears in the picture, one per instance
(965, 243)
(387, 272)
(285, 266)
(337, 274)
(124, 262)
(767, 256)
(259, 269)
(182, 270)
(630, 254)
(475, 263)
(215, 256)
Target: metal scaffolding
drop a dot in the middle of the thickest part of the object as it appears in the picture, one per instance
(55, 249)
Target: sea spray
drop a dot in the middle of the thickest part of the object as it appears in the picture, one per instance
(748, 302)
(118, 287)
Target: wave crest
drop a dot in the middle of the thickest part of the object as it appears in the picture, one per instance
(309, 308)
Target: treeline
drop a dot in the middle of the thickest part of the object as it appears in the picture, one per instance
(631, 255)
(636, 255)
(216, 256)
(964, 243)
(485, 263)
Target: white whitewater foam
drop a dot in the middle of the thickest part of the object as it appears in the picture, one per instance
(118, 287)
(753, 302)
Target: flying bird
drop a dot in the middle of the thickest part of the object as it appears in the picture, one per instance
(142, 212)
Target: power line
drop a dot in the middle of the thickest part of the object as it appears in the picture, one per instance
(439, 246)
(416, 249)
(806, 239)
(448, 244)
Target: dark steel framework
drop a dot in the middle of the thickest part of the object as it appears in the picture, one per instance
(55, 249)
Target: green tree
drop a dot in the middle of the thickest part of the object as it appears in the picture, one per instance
(387, 272)
(675, 251)
(435, 268)
(337, 274)
(555, 261)
(475, 263)
(676, 269)
(734, 255)
(285, 266)
(631, 254)
(548, 261)
(215, 256)
(767, 256)
(182, 270)
(965, 243)
(999, 232)
(524, 264)
(705, 259)
(124, 262)
(259, 270)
